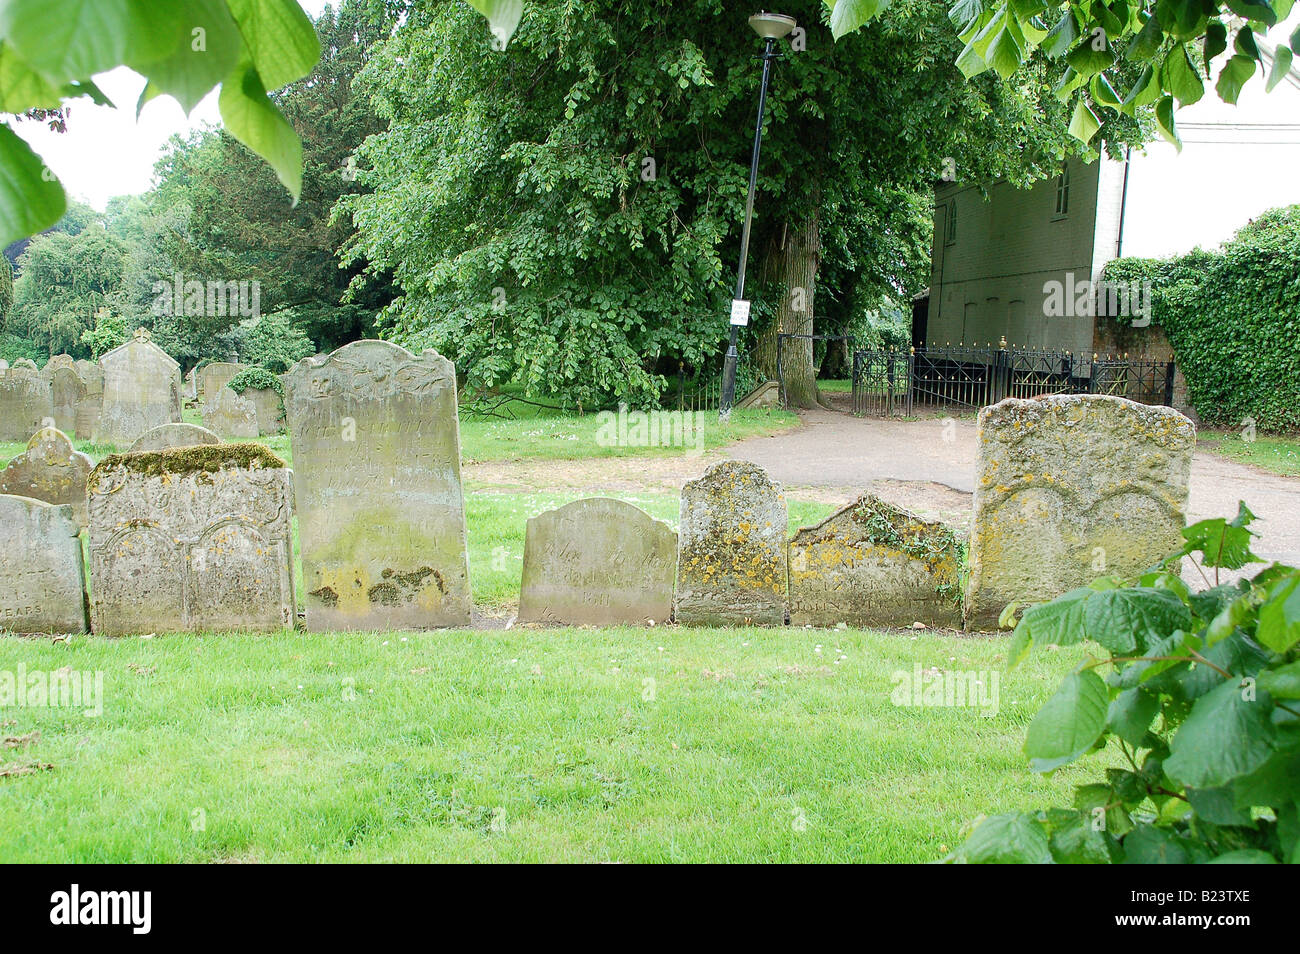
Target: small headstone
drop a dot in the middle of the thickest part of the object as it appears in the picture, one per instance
(731, 557)
(67, 391)
(1070, 488)
(166, 436)
(26, 364)
(26, 402)
(92, 398)
(191, 539)
(50, 470)
(229, 414)
(872, 564)
(42, 577)
(597, 562)
(142, 389)
(215, 376)
(269, 407)
(376, 444)
(4, 365)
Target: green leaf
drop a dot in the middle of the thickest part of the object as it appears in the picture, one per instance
(1068, 725)
(1217, 806)
(1234, 75)
(1148, 41)
(1013, 838)
(1006, 52)
(1127, 620)
(73, 39)
(251, 117)
(29, 201)
(846, 15)
(970, 62)
(1216, 41)
(1130, 715)
(1061, 37)
(280, 38)
(1283, 682)
(1279, 616)
(1059, 622)
(1253, 10)
(1224, 737)
(1244, 856)
(1086, 60)
(1219, 542)
(1149, 845)
(1084, 122)
(1076, 842)
(206, 48)
(964, 13)
(1281, 67)
(1103, 94)
(1180, 76)
(1181, 19)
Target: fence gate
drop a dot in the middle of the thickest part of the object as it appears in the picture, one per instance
(780, 354)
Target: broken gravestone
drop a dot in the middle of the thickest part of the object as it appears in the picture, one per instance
(50, 470)
(166, 436)
(142, 389)
(191, 539)
(872, 564)
(1070, 488)
(597, 562)
(376, 444)
(26, 402)
(42, 577)
(230, 415)
(731, 556)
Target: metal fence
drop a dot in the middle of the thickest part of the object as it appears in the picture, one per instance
(781, 340)
(890, 383)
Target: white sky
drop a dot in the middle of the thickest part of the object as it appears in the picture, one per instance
(105, 152)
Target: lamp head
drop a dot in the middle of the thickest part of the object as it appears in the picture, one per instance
(771, 26)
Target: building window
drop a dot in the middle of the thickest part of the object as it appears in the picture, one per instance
(1063, 193)
(950, 234)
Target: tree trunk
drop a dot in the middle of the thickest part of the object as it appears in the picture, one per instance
(791, 260)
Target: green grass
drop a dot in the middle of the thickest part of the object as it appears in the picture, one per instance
(516, 746)
(1281, 455)
(836, 385)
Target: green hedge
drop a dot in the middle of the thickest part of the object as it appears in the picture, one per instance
(1233, 319)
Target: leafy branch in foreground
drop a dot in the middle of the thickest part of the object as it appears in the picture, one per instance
(1201, 702)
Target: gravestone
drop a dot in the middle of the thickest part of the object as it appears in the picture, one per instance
(872, 564)
(59, 361)
(381, 516)
(215, 376)
(4, 365)
(142, 389)
(50, 470)
(26, 364)
(166, 436)
(67, 391)
(597, 562)
(731, 556)
(26, 402)
(42, 577)
(191, 391)
(270, 409)
(1069, 488)
(191, 539)
(229, 414)
(92, 398)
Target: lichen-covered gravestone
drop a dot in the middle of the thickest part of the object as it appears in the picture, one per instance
(42, 577)
(381, 516)
(731, 556)
(166, 436)
(191, 539)
(142, 389)
(597, 562)
(26, 402)
(872, 564)
(92, 398)
(67, 391)
(226, 413)
(270, 409)
(50, 470)
(216, 376)
(1070, 488)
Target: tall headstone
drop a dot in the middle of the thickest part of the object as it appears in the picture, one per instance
(191, 539)
(42, 577)
(215, 376)
(381, 516)
(50, 470)
(142, 389)
(1069, 488)
(597, 562)
(872, 564)
(92, 399)
(166, 436)
(731, 557)
(229, 414)
(26, 402)
(67, 391)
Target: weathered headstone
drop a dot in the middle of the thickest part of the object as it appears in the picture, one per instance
(26, 364)
(381, 515)
(731, 557)
(215, 376)
(26, 403)
(229, 414)
(270, 409)
(50, 470)
(166, 436)
(872, 564)
(191, 385)
(1070, 488)
(191, 539)
(4, 365)
(67, 391)
(597, 562)
(142, 389)
(92, 398)
(59, 361)
(42, 577)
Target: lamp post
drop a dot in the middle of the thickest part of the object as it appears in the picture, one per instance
(771, 27)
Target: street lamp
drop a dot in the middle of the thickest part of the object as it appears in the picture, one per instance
(771, 27)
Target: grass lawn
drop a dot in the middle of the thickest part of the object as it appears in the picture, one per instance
(1278, 454)
(664, 744)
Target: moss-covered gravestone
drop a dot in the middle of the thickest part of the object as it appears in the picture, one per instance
(42, 578)
(230, 415)
(597, 562)
(191, 539)
(381, 517)
(142, 389)
(1070, 488)
(731, 555)
(166, 436)
(50, 470)
(872, 564)
(26, 402)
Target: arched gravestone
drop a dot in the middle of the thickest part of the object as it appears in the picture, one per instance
(230, 414)
(381, 517)
(50, 470)
(191, 539)
(26, 402)
(731, 555)
(42, 577)
(59, 361)
(597, 562)
(1070, 488)
(216, 376)
(166, 436)
(67, 391)
(142, 389)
